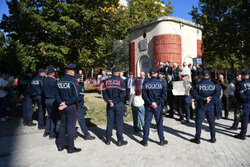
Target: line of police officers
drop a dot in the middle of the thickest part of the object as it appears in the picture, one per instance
(67, 96)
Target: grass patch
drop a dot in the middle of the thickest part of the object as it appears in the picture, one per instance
(97, 109)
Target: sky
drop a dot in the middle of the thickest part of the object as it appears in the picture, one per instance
(181, 8)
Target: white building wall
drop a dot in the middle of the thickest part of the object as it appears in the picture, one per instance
(189, 36)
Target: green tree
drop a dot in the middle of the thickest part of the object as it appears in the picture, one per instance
(226, 29)
(141, 11)
(57, 32)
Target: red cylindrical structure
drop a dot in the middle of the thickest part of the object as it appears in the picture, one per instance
(167, 48)
(132, 57)
(199, 48)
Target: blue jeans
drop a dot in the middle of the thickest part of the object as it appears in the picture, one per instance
(218, 108)
(138, 112)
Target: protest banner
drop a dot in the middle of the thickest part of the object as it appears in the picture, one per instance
(180, 88)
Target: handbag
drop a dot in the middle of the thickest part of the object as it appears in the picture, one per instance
(138, 101)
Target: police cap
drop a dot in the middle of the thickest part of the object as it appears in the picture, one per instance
(161, 73)
(244, 72)
(70, 66)
(41, 70)
(51, 70)
(205, 72)
(116, 69)
(238, 73)
(153, 71)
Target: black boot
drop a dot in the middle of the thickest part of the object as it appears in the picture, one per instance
(74, 150)
(25, 122)
(195, 140)
(31, 123)
(213, 140)
(144, 143)
(122, 143)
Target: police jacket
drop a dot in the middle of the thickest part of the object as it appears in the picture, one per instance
(245, 92)
(50, 88)
(114, 90)
(24, 86)
(80, 89)
(37, 85)
(154, 91)
(67, 90)
(237, 91)
(205, 89)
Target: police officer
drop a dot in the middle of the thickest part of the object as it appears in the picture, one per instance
(245, 99)
(38, 96)
(154, 94)
(67, 98)
(205, 93)
(50, 92)
(25, 92)
(82, 109)
(238, 105)
(114, 95)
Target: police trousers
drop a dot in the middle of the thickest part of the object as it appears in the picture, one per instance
(244, 120)
(81, 121)
(158, 119)
(27, 108)
(68, 124)
(38, 100)
(52, 115)
(203, 111)
(116, 113)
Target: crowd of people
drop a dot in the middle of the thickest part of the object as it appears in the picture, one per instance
(206, 97)
(149, 94)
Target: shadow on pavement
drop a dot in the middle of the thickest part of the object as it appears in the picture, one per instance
(8, 131)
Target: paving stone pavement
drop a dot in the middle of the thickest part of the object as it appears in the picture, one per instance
(26, 147)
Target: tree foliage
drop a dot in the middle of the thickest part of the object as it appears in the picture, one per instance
(226, 32)
(57, 32)
(141, 11)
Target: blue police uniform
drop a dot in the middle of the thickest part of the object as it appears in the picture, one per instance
(245, 99)
(205, 89)
(67, 92)
(153, 91)
(38, 96)
(81, 110)
(114, 91)
(25, 90)
(238, 105)
(50, 92)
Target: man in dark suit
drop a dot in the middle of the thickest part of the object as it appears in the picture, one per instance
(185, 101)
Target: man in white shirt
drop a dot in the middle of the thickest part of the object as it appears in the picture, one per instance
(3, 96)
(187, 70)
